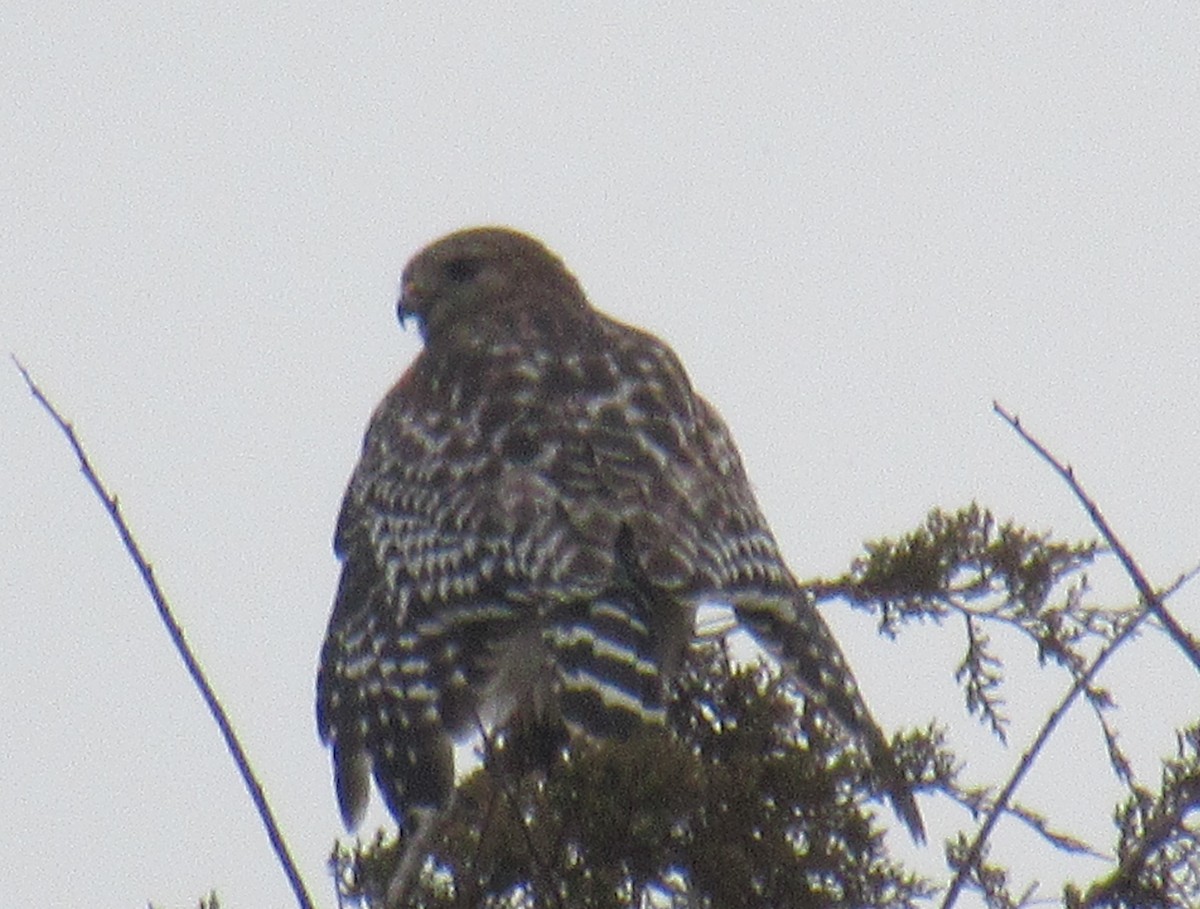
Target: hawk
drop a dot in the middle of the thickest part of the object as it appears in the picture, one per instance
(542, 503)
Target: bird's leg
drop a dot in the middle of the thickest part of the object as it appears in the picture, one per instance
(541, 876)
(416, 850)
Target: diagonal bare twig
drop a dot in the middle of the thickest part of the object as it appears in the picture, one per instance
(1001, 804)
(1152, 599)
(177, 638)
(1153, 606)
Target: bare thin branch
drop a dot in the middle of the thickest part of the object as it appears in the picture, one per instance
(181, 646)
(1153, 606)
(1001, 804)
(1152, 599)
(1057, 838)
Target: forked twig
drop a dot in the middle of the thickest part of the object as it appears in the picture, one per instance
(1153, 606)
(1001, 803)
(181, 646)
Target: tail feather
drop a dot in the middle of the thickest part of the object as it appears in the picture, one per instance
(793, 632)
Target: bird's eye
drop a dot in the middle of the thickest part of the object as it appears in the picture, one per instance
(462, 270)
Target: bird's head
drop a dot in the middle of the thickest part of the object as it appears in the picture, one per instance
(477, 282)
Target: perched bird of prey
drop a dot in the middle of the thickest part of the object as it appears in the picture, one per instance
(542, 503)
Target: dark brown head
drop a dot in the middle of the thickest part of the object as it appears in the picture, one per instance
(479, 283)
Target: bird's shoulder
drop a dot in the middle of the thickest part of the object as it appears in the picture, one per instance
(598, 385)
(557, 442)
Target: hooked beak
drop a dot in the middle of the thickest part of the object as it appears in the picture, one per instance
(409, 306)
(403, 311)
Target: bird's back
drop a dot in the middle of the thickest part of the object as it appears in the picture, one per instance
(541, 503)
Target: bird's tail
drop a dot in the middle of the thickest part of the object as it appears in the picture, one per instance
(793, 632)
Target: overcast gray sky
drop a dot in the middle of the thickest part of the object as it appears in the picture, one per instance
(857, 223)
